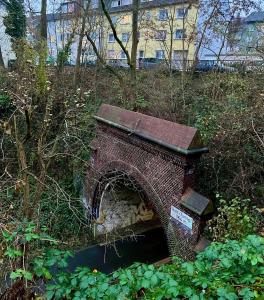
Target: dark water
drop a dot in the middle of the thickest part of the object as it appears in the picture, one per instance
(149, 247)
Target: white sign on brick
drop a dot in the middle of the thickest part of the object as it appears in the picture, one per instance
(181, 217)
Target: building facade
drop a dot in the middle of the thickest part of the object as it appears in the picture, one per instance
(5, 41)
(247, 34)
(166, 29)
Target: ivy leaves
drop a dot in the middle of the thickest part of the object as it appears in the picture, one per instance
(233, 270)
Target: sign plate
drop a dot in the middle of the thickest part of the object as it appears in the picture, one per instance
(181, 217)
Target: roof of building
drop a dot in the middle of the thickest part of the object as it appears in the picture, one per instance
(123, 8)
(177, 137)
(257, 16)
(151, 4)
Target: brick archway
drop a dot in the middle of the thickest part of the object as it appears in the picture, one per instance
(108, 173)
(161, 157)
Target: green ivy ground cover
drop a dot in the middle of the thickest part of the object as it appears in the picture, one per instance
(231, 270)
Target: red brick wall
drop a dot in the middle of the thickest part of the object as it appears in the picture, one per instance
(163, 175)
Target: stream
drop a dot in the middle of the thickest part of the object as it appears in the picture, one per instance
(149, 247)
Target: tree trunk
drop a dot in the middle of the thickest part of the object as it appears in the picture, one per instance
(43, 20)
(79, 50)
(134, 40)
(1, 59)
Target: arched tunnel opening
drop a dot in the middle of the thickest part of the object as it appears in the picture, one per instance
(124, 204)
(125, 217)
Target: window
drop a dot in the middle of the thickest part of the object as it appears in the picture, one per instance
(123, 54)
(144, 15)
(114, 19)
(180, 34)
(94, 3)
(180, 54)
(71, 7)
(67, 7)
(126, 2)
(64, 8)
(160, 54)
(125, 37)
(111, 53)
(148, 15)
(163, 14)
(111, 38)
(116, 3)
(182, 13)
(141, 54)
(160, 35)
(93, 35)
(180, 59)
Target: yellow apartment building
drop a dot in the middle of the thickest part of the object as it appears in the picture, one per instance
(167, 29)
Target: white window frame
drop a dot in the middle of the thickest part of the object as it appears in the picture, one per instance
(183, 34)
(161, 35)
(94, 3)
(123, 54)
(162, 56)
(180, 55)
(126, 2)
(64, 8)
(114, 19)
(141, 56)
(148, 15)
(163, 14)
(116, 3)
(180, 15)
(112, 56)
(125, 37)
(110, 40)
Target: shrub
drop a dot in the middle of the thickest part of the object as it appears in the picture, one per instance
(235, 219)
(5, 103)
(230, 270)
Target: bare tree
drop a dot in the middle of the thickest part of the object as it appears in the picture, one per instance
(131, 57)
(135, 8)
(1, 59)
(85, 11)
(43, 20)
(215, 19)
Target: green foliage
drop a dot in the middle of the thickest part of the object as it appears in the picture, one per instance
(15, 20)
(5, 103)
(18, 238)
(64, 54)
(231, 270)
(141, 103)
(235, 219)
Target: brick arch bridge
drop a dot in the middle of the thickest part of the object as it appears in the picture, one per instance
(160, 158)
